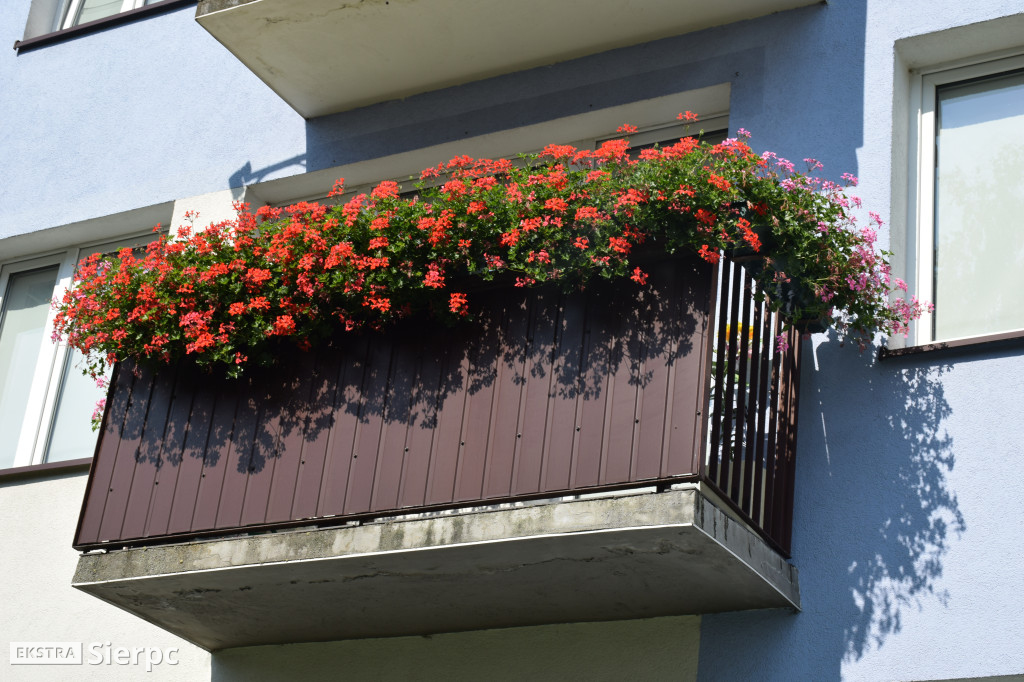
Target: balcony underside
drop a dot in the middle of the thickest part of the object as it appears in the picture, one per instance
(325, 56)
(601, 558)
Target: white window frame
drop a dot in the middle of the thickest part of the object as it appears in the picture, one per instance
(41, 405)
(26, 452)
(921, 261)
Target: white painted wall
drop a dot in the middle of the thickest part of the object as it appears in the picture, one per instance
(37, 603)
(649, 650)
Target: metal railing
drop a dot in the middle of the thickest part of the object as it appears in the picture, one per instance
(752, 405)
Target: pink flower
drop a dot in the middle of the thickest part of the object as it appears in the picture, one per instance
(97, 412)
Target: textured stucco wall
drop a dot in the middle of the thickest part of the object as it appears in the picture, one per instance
(907, 490)
(138, 114)
(653, 649)
(38, 604)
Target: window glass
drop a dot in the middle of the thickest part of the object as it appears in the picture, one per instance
(979, 179)
(75, 12)
(26, 304)
(91, 10)
(71, 434)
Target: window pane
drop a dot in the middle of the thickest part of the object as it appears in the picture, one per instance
(22, 328)
(71, 435)
(97, 9)
(979, 224)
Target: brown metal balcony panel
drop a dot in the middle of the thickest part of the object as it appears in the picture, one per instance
(543, 394)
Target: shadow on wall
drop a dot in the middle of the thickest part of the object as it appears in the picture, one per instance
(874, 518)
(815, 45)
(246, 175)
(920, 511)
(651, 649)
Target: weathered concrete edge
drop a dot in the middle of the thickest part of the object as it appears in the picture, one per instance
(748, 548)
(684, 505)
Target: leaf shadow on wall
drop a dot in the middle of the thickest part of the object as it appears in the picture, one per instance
(875, 515)
(917, 515)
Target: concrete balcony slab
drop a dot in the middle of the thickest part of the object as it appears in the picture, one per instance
(595, 558)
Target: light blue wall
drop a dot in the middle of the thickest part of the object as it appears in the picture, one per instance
(139, 114)
(157, 110)
(908, 492)
(908, 497)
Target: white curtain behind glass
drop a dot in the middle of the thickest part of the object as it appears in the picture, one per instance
(97, 9)
(979, 220)
(25, 307)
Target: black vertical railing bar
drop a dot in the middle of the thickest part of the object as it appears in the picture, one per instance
(786, 528)
(705, 401)
(777, 441)
(753, 408)
(771, 439)
(786, 417)
(763, 414)
(715, 414)
(739, 483)
(728, 429)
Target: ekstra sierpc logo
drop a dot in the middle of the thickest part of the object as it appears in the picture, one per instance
(97, 653)
(46, 653)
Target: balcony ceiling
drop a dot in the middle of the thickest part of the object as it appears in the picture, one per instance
(326, 56)
(603, 558)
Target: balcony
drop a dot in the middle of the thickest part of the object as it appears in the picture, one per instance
(324, 57)
(616, 453)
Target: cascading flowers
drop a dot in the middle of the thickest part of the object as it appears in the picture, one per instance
(230, 294)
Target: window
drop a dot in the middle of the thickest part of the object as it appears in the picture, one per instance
(76, 12)
(969, 251)
(45, 401)
(714, 130)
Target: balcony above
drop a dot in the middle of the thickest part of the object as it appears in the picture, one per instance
(326, 56)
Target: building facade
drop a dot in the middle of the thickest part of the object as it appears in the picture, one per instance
(121, 116)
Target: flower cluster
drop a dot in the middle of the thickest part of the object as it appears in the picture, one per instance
(231, 293)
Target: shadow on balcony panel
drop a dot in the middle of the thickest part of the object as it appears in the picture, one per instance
(542, 393)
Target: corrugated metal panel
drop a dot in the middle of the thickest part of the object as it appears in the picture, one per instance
(544, 393)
